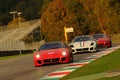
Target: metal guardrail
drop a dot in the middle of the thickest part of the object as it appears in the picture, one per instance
(12, 45)
(13, 48)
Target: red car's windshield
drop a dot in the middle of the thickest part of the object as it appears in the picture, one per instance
(97, 36)
(51, 46)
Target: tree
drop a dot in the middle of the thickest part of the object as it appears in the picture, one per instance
(51, 21)
(104, 15)
(29, 8)
(60, 13)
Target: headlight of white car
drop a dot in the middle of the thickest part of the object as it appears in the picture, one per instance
(64, 53)
(37, 55)
(92, 44)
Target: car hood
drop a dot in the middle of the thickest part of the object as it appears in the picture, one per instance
(102, 39)
(83, 43)
(51, 53)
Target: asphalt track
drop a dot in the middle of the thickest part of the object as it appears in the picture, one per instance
(22, 68)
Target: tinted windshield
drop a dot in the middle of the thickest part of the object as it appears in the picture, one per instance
(51, 46)
(78, 39)
(97, 36)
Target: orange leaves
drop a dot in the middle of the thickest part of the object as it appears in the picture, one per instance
(85, 17)
(56, 15)
(52, 19)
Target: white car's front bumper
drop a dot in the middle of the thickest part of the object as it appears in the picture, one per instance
(83, 49)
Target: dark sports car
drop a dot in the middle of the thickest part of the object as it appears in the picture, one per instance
(53, 52)
(102, 40)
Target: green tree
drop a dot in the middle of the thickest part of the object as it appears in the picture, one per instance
(30, 9)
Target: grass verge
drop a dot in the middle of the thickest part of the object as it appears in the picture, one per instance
(9, 57)
(106, 63)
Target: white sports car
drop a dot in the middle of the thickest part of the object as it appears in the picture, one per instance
(83, 44)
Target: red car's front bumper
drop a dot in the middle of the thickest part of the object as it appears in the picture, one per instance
(39, 62)
(104, 43)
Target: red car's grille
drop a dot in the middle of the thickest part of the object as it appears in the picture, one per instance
(101, 45)
(51, 60)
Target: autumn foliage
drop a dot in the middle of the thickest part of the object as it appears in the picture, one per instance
(86, 17)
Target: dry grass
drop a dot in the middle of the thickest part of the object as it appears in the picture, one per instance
(116, 39)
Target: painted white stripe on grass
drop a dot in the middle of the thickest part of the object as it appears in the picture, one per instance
(92, 57)
(71, 67)
(103, 54)
(80, 65)
(86, 61)
(56, 76)
(97, 55)
(62, 71)
(81, 62)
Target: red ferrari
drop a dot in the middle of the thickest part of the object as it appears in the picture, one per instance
(102, 40)
(53, 52)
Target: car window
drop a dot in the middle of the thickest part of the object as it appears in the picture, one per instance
(78, 39)
(51, 46)
(97, 36)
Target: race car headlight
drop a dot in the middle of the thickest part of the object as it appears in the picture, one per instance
(64, 53)
(37, 55)
(92, 44)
